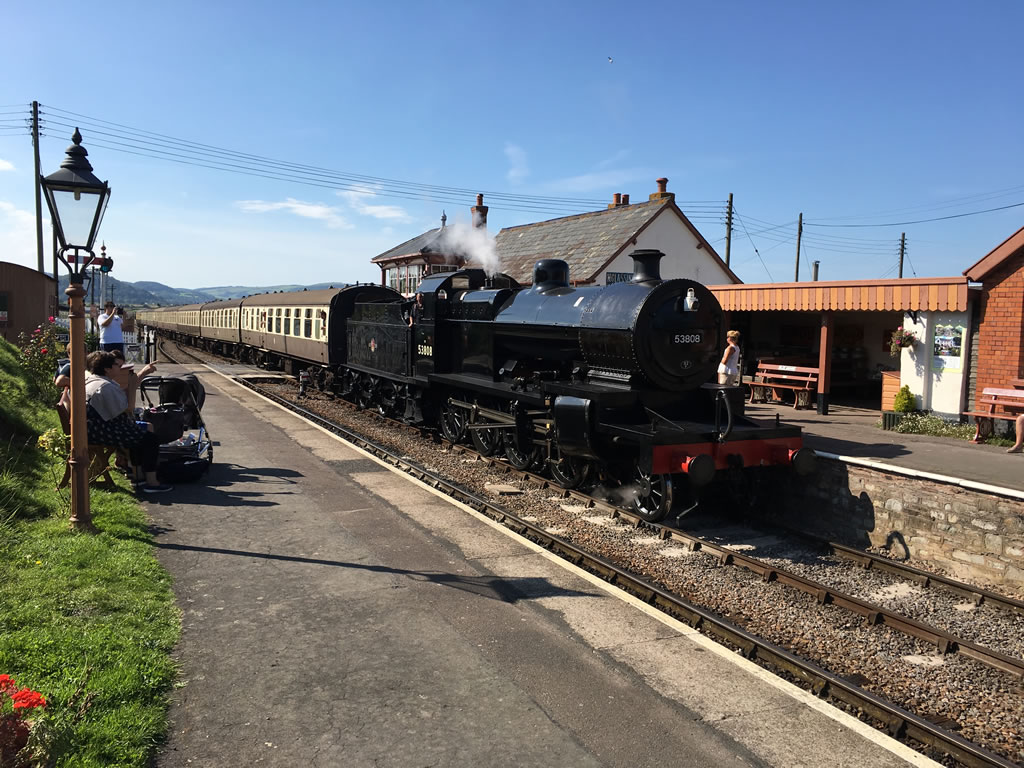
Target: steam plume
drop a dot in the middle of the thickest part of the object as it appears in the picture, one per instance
(475, 243)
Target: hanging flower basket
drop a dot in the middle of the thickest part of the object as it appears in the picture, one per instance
(901, 339)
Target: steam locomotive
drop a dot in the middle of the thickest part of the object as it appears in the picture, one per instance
(609, 383)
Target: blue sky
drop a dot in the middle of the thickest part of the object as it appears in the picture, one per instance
(859, 113)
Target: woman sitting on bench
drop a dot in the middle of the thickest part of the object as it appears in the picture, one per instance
(109, 421)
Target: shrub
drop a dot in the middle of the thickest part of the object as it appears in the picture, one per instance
(40, 351)
(904, 402)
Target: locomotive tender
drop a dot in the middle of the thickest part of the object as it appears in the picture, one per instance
(611, 380)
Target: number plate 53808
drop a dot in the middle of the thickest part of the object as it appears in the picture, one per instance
(687, 338)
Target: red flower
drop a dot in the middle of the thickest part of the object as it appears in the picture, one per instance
(42, 351)
(26, 698)
(7, 684)
(51, 318)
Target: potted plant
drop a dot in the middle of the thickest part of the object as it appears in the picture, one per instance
(900, 340)
(903, 403)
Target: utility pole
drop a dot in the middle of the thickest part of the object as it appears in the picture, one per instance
(799, 235)
(903, 249)
(39, 194)
(728, 230)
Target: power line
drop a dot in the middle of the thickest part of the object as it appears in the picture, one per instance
(742, 224)
(142, 142)
(924, 221)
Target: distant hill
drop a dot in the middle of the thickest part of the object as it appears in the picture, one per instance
(141, 294)
(147, 293)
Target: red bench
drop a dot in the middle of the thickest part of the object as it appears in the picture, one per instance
(771, 377)
(1003, 403)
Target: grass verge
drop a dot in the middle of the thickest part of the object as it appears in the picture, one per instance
(88, 620)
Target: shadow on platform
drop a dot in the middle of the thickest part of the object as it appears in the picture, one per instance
(508, 590)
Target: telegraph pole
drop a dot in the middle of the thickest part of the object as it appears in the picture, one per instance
(39, 194)
(903, 249)
(728, 230)
(799, 235)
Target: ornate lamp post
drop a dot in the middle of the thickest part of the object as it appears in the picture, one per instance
(77, 201)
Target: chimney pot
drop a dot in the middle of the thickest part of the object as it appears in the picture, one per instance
(479, 213)
(616, 200)
(662, 193)
(625, 199)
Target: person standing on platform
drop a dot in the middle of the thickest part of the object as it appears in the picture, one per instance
(111, 337)
(729, 368)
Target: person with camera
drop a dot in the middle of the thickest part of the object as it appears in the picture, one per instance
(111, 336)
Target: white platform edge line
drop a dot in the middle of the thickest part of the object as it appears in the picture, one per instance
(799, 694)
(919, 473)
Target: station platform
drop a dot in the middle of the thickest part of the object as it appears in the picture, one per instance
(852, 433)
(338, 613)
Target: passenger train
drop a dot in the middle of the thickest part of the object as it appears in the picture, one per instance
(609, 384)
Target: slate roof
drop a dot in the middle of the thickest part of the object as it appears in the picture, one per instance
(425, 243)
(587, 241)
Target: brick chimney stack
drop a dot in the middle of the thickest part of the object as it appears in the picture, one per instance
(662, 194)
(479, 212)
(625, 199)
(616, 200)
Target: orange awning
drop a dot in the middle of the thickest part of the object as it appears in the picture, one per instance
(942, 294)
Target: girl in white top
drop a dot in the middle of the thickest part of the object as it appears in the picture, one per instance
(729, 368)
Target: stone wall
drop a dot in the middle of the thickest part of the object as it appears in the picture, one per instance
(969, 534)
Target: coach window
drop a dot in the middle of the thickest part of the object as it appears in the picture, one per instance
(277, 320)
(288, 321)
(297, 323)
(308, 330)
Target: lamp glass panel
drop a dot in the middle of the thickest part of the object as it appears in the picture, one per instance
(76, 216)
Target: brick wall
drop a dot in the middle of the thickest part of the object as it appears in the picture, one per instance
(1001, 331)
(971, 535)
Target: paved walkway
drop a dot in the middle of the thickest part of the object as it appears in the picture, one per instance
(854, 432)
(337, 614)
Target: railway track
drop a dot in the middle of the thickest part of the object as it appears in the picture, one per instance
(895, 719)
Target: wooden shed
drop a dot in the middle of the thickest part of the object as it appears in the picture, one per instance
(27, 299)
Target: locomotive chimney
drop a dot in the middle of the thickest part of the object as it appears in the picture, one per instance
(646, 266)
(662, 192)
(479, 212)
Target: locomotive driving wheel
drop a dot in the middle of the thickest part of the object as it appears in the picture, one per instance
(569, 472)
(520, 451)
(486, 441)
(453, 423)
(652, 498)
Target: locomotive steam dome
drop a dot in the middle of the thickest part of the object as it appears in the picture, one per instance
(669, 331)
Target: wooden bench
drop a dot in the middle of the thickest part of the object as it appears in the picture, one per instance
(770, 378)
(1003, 403)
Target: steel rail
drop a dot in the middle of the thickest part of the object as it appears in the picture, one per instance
(871, 561)
(898, 722)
